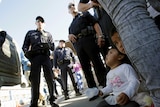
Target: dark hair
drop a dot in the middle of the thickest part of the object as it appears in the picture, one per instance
(126, 60)
(70, 5)
(40, 18)
(62, 41)
(114, 30)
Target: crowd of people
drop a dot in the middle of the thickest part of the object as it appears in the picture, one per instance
(118, 78)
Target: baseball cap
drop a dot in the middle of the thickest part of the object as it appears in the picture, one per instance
(40, 18)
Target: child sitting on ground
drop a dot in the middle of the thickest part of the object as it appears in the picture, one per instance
(122, 82)
(142, 97)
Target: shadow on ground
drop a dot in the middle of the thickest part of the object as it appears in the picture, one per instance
(81, 101)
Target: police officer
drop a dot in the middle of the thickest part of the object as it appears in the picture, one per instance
(37, 46)
(62, 59)
(103, 18)
(82, 34)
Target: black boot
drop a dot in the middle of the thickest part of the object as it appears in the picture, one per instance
(77, 92)
(54, 105)
(66, 96)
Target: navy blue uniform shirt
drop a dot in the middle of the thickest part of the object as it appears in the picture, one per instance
(34, 38)
(81, 21)
(62, 54)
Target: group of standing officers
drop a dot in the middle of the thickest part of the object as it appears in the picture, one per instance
(89, 36)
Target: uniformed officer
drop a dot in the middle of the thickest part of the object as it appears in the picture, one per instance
(103, 18)
(62, 59)
(37, 46)
(82, 34)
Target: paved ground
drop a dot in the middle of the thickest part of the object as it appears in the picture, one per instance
(80, 101)
(12, 96)
(74, 101)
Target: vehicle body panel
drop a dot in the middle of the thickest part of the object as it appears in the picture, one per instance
(10, 71)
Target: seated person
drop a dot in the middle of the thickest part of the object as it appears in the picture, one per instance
(142, 97)
(122, 82)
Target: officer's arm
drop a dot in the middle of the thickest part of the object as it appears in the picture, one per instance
(98, 30)
(86, 6)
(51, 43)
(99, 35)
(26, 43)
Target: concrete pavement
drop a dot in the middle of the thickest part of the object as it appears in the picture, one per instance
(12, 96)
(74, 101)
(79, 101)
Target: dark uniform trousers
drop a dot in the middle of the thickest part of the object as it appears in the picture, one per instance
(88, 51)
(106, 25)
(64, 71)
(36, 63)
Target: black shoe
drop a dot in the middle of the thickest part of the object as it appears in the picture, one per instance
(78, 94)
(54, 105)
(43, 102)
(66, 98)
(93, 98)
(55, 97)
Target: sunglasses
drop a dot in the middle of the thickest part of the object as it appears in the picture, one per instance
(71, 5)
(38, 21)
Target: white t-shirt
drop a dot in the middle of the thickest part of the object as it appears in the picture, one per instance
(121, 79)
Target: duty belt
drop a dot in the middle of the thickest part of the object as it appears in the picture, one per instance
(88, 31)
(81, 35)
(32, 54)
(41, 52)
(63, 61)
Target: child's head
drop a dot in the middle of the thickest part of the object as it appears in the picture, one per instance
(114, 58)
(116, 40)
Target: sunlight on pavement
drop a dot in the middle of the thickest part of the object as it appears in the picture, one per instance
(72, 100)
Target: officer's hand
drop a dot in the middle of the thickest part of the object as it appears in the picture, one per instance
(122, 99)
(94, 3)
(100, 42)
(51, 56)
(72, 38)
